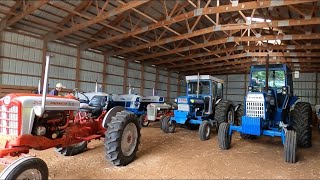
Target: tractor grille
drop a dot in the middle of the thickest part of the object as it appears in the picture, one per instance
(255, 105)
(9, 120)
(150, 111)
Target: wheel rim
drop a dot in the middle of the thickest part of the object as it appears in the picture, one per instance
(30, 174)
(145, 121)
(129, 139)
(230, 117)
(207, 131)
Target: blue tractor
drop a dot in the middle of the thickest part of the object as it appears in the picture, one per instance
(271, 109)
(202, 107)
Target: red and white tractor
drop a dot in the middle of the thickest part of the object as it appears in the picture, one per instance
(31, 121)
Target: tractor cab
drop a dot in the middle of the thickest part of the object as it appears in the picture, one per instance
(207, 90)
(268, 111)
(201, 107)
(275, 89)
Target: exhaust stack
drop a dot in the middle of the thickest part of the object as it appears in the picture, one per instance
(40, 110)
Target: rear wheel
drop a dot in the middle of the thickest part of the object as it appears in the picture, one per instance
(204, 130)
(26, 168)
(301, 123)
(238, 114)
(224, 139)
(143, 120)
(290, 147)
(73, 149)
(167, 125)
(224, 112)
(122, 139)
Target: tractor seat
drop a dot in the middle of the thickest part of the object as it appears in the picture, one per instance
(95, 106)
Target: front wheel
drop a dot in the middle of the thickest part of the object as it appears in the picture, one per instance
(224, 139)
(122, 139)
(26, 168)
(167, 125)
(143, 120)
(204, 130)
(290, 146)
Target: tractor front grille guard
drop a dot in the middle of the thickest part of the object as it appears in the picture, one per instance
(255, 106)
(9, 117)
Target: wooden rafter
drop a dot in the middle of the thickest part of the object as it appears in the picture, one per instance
(34, 5)
(195, 13)
(279, 23)
(232, 39)
(97, 19)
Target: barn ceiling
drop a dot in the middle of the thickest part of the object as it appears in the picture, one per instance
(189, 36)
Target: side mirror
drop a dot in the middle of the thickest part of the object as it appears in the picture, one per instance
(296, 74)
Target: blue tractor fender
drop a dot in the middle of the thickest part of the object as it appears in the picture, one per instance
(292, 100)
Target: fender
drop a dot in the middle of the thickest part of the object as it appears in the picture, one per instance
(111, 113)
(218, 101)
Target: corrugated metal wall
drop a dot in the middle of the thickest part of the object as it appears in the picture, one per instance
(21, 65)
(20, 55)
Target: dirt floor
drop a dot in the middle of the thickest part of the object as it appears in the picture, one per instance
(182, 155)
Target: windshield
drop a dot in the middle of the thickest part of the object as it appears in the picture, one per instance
(204, 87)
(276, 79)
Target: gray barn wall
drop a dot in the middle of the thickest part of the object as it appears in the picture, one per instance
(21, 65)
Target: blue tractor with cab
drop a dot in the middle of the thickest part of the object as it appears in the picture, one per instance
(271, 109)
(202, 107)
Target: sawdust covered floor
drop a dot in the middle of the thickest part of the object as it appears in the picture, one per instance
(182, 155)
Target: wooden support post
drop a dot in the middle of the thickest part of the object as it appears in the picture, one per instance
(142, 81)
(245, 83)
(179, 85)
(125, 77)
(168, 86)
(317, 88)
(78, 68)
(157, 80)
(44, 54)
(104, 72)
(226, 86)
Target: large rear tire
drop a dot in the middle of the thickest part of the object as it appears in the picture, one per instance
(224, 139)
(204, 130)
(290, 147)
(26, 168)
(73, 149)
(122, 139)
(301, 123)
(224, 112)
(238, 114)
(306, 106)
(167, 125)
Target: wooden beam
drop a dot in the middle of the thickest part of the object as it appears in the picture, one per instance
(104, 71)
(238, 63)
(125, 77)
(34, 5)
(156, 80)
(43, 65)
(179, 86)
(276, 23)
(168, 85)
(232, 39)
(97, 19)
(142, 81)
(195, 13)
(238, 48)
(182, 66)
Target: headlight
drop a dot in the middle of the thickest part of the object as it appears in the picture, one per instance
(6, 100)
(284, 90)
(249, 88)
(175, 100)
(136, 103)
(192, 100)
